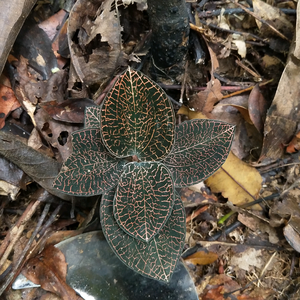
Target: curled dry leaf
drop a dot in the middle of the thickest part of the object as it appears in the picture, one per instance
(204, 100)
(49, 269)
(257, 107)
(240, 103)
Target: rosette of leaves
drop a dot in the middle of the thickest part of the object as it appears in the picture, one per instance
(131, 152)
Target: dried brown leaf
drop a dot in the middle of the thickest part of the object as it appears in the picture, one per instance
(275, 17)
(292, 233)
(205, 100)
(8, 103)
(56, 133)
(95, 23)
(70, 111)
(294, 144)
(257, 106)
(284, 113)
(49, 269)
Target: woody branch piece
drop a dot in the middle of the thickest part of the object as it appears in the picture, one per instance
(170, 32)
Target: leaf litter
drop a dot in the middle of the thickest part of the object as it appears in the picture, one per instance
(258, 259)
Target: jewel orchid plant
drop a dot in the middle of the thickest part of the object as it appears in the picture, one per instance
(131, 152)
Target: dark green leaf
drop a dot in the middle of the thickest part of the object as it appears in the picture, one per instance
(137, 118)
(92, 117)
(144, 199)
(200, 149)
(155, 259)
(90, 170)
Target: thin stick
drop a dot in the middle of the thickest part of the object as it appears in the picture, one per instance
(11, 276)
(251, 72)
(245, 34)
(195, 88)
(246, 90)
(261, 20)
(235, 11)
(267, 265)
(239, 184)
(196, 213)
(51, 219)
(14, 234)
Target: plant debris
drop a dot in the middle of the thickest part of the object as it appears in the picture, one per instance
(240, 66)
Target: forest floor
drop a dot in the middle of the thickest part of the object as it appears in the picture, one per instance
(243, 222)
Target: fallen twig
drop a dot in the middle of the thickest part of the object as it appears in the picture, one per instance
(15, 269)
(234, 11)
(261, 20)
(196, 213)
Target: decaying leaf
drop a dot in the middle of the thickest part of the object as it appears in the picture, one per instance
(95, 23)
(237, 181)
(275, 17)
(204, 101)
(39, 167)
(34, 44)
(248, 259)
(196, 194)
(222, 287)
(257, 107)
(49, 269)
(8, 103)
(284, 114)
(294, 144)
(70, 111)
(57, 134)
(291, 232)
